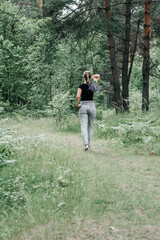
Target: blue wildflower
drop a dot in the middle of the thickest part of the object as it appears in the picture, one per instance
(93, 87)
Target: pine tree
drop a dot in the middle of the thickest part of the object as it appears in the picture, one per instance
(146, 55)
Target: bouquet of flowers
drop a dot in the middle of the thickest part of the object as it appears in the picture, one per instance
(93, 86)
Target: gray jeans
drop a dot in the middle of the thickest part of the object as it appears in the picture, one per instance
(87, 114)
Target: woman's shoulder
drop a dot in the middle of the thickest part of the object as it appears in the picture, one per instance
(81, 85)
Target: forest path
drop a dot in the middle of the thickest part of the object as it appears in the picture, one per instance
(103, 194)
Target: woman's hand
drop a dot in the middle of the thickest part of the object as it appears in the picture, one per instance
(96, 77)
(79, 105)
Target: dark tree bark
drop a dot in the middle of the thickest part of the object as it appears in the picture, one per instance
(125, 63)
(138, 30)
(146, 56)
(111, 43)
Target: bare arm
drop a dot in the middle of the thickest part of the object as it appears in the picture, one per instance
(79, 92)
(96, 77)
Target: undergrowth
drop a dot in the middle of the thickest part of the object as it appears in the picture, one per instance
(53, 180)
(141, 132)
(136, 130)
(8, 146)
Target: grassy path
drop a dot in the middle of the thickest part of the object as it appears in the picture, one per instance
(109, 193)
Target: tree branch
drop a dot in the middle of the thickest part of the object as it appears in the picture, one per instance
(74, 10)
(27, 3)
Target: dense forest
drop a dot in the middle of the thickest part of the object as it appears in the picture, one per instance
(46, 46)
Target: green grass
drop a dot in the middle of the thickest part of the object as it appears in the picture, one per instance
(55, 190)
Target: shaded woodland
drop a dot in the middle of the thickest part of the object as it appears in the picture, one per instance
(46, 45)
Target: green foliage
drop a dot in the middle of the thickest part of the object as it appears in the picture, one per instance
(71, 124)
(103, 130)
(136, 131)
(60, 107)
(13, 84)
(8, 147)
(39, 54)
(155, 67)
(136, 78)
(12, 193)
(34, 62)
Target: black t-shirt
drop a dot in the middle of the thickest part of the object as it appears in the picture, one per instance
(87, 94)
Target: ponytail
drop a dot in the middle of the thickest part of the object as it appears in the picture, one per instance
(87, 76)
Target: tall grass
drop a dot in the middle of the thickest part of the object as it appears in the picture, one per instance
(55, 190)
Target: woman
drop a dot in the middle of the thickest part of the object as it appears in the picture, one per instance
(87, 110)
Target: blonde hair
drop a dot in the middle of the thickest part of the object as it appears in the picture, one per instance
(87, 76)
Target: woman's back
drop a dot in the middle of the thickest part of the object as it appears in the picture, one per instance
(87, 94)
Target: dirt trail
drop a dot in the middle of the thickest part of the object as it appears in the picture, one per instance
(116, 187)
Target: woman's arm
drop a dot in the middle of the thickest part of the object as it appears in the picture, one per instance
(79, 92)
(96, 77)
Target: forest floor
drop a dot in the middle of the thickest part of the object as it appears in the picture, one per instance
(107, 193)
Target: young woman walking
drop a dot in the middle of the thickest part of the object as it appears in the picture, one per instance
(87, 110)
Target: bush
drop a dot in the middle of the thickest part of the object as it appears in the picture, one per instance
(60, 107)
(141, 131)
(12, 192)
(71, 124)
(103, 130)
(7, 147)
(99, 114)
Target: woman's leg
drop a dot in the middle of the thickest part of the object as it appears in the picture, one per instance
(91, 118)
(84, 124)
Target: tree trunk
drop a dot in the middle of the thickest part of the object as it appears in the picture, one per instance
(146, 56)
(125, 63)
(111, 43)
(138, 30)
(40, 4)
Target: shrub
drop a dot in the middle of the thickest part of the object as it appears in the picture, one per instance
(60, 107)
(7, 147)
(71, 123)
(12, 192)
(142, 131)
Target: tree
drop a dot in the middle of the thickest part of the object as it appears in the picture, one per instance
(146, 55)
(111, 43)
(125, 63)
(45, 52)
